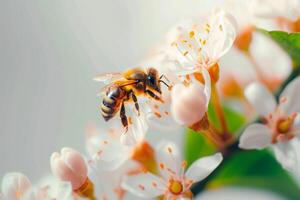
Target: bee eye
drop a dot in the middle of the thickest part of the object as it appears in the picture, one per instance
(151, 80)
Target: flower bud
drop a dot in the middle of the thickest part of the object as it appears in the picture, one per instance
(15, 185)
(189, 103)
(69, 165)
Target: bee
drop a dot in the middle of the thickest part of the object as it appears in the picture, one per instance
(125, 87)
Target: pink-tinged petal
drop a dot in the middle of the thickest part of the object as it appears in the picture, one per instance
(288, 154)
(74, 161)
(69, 165)
(189, 103)
(292, 95)
(256, 136)
(201, 168)
(260, 98)
(144, 185)
(15, 185)
(168, 158)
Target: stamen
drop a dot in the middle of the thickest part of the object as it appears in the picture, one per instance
(192, 34)
(105, 142)
(184, 164)
(141, 187)
(169, 149)
(283, 99)
(157, 114)
(221, 27)
(154, 184)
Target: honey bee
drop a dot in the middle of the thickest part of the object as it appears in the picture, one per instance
(125, 87)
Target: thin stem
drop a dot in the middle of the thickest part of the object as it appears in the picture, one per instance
(205, 128)
(219, 111)
(214, 138)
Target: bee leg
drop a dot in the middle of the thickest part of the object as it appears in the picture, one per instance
(136, 104)
(124, 117)
(153, 95)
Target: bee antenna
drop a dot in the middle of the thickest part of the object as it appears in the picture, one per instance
(161, 81)
(163, 76)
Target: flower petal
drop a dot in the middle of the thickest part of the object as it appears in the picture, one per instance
(288, 154)
(207, 85)
(14, 184)
(260, 98)
(144, 185)
(64, 191)
(168, 158)
(201, 168)
(222, 34)
(292, 95)
(256, 136)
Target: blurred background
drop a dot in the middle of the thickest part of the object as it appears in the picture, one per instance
(49, 53)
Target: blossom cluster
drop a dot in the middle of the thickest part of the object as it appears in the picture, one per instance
(218, 58)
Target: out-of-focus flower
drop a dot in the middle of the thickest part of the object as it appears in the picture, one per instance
(69, 165)
(236, 193)
(108, 183)
(281, 125)
(289, 9)
(112, 148)
(268, 64)
(190, 103)
(54, 188)
(174, 182)
(202, 45)
(14, 186)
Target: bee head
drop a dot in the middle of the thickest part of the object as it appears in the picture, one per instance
(152, 80)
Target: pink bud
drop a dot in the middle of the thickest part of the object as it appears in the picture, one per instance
(15, 185)
(189, 103)
(69, 165)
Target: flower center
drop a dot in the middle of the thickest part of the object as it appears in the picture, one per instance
(283, 128)
(284, 125)
(175, 187)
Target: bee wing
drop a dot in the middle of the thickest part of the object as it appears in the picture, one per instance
(102, 91)
(107, 78)
(121, 83)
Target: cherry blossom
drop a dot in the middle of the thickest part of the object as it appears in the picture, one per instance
(14, 186)
(202, 45)
(112, 148)
(190, 103)
(174, 181)
(280, 127)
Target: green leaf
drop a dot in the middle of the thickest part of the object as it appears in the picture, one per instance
(257, 169)
(234, 120)
(197, 146)
(290, 42)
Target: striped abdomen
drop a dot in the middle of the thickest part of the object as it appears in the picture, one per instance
(112, 101)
